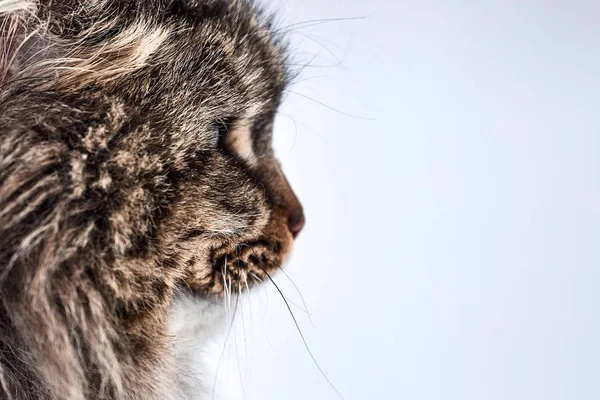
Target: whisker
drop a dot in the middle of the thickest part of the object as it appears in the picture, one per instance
(298, 307)
(244, 333)
(255, 277)
(300, 294)
(224, 274)
(327, 49)
(242, 309)
(315, 22)
(301, 334)
(295, 128)
(246, 283)
(260, 309)
(296, 81)
(225, 343)
(319, 135)
(249, 297)
(329, 107)
(229, 290)
(237, 355)
(302, 66)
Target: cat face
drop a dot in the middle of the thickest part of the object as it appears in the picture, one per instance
(247, 232)
(235, 215)
(199, 92)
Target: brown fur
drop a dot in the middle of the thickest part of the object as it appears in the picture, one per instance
(113, 194)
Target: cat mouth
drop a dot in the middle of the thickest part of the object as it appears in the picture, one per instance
(234, 267)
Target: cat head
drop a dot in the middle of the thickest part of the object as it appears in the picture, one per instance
(175, 100)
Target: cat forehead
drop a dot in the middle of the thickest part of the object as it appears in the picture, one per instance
(238, 49)
(231, 54)
(232, 39)
(224, 48)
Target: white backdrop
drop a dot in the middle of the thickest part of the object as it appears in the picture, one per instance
(453, 206)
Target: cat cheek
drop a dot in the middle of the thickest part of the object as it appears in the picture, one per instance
(257, 260)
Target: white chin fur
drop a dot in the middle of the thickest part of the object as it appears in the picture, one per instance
(195, 323)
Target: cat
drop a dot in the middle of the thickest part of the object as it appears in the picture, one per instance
(138, 186)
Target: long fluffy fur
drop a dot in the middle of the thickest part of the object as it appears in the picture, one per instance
(113, 196)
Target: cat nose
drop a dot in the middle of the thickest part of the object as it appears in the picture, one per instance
(283, 195)
(296, 220)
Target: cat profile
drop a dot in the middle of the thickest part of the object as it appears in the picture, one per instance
(137, 184)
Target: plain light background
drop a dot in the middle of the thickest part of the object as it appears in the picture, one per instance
(453, 206)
